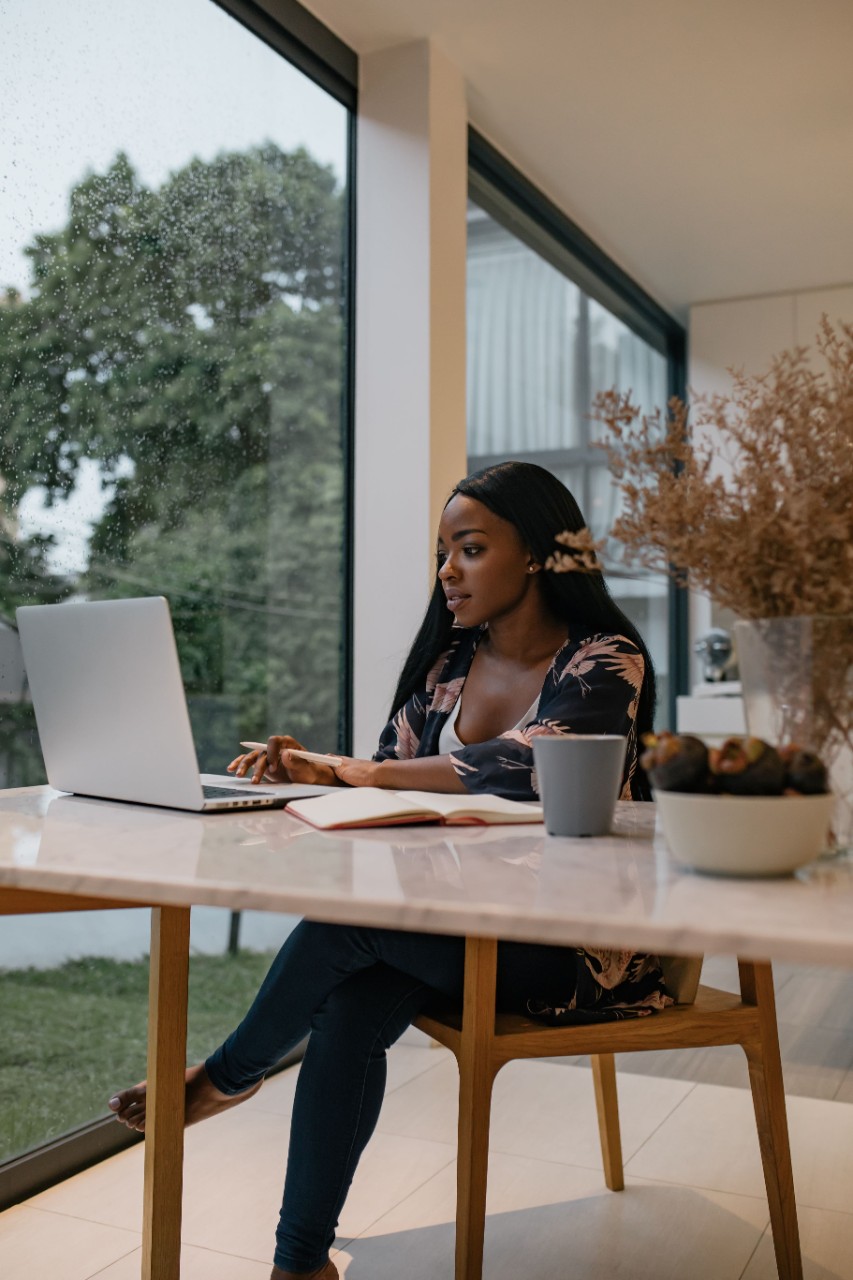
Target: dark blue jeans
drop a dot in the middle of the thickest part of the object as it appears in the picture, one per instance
(355, 990)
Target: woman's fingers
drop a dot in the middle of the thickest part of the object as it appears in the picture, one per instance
(276, 769)
(276, 764)
(241, 765)
(264, 762)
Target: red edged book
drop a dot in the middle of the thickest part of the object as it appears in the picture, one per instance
(375, 807)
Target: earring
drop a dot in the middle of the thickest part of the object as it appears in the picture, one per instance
(531, 568)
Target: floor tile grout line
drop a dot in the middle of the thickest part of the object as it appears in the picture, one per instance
(646, 1179)
(225, 1253)
(715, 1190)
(560, 1164)
(101, 1270)
(414, 1137)
(690, 1186)
(848, 1075)
(649, 1136)
(420, 1074)
(754, 1251)
(188, 1244)
(801, 1202)
(633, 1177)
(403, 1199)
(76, 1217)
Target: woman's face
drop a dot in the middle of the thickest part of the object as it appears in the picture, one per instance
(483, 565)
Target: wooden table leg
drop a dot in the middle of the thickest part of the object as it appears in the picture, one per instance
(164, 1118)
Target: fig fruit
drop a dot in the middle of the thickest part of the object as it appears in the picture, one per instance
(804, 772)
(747, 767)
(675, 762)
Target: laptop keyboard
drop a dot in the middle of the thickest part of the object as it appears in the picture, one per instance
(230, 793)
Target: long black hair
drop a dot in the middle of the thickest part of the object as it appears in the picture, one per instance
(539, 506)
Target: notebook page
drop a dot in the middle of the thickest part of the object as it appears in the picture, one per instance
(492, 808)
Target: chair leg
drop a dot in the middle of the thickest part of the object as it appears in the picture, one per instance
(476, 1076)
(768, 1098)
(607, 1106)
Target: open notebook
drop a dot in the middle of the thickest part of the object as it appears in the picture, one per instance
(375, 807)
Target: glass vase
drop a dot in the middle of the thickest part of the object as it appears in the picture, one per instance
(797, 677)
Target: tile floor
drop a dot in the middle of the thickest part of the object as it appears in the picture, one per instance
(693, 1208)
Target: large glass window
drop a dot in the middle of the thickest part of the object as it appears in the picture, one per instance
(173, 381)
(540, 347)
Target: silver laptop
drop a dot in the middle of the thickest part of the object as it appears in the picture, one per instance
(111, 710)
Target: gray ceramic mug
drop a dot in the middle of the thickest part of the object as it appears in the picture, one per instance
(580, 777)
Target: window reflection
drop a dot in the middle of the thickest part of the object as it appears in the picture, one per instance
(539, 350)
(172, 366)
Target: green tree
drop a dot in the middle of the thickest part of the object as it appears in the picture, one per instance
(189, 339)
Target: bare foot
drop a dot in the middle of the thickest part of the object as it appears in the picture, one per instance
(327, 1272)
(202, 1099)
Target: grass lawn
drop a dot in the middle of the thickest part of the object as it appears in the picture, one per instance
(74, 1034)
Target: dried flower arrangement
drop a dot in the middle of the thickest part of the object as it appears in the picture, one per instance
(762, 518)
(750, 502)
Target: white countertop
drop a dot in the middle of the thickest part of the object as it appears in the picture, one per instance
(512, 882)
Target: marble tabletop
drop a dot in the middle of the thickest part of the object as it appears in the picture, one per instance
(621, 890)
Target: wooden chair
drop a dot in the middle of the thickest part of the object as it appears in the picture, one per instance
(483, 1042)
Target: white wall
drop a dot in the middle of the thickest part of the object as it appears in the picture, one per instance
(410, 352)
(745, 333)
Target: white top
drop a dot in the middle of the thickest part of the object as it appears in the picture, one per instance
(449, 740)
(620, 890)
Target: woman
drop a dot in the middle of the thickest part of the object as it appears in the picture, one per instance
(506, 650)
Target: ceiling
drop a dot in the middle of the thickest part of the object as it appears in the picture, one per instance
(706, 145)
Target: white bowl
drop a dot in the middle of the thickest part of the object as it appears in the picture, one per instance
(744, 835)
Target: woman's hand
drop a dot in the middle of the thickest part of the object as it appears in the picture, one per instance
(276, 764)
(357, 773)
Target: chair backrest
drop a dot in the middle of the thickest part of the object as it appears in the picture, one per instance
(681, 975)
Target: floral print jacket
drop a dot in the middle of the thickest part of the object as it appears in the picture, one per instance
(592, 686)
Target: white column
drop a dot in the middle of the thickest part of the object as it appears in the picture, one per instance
(410, 352)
